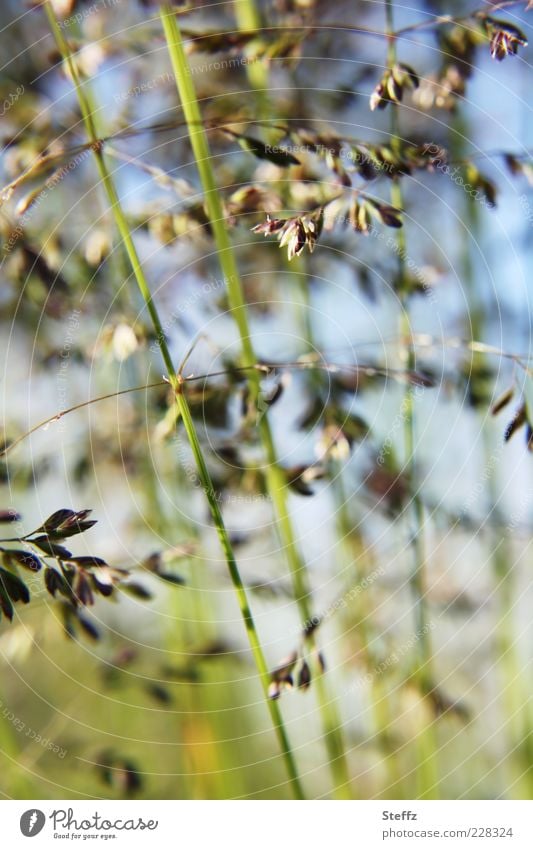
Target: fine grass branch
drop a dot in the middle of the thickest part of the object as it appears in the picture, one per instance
(309, 362)
(183, 407)
(251, 24)
(274, 476)
(52, 166)
(263, 368)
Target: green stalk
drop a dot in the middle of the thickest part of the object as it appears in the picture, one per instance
(275, 479)
(240, 592)
(427, 772)
(247, 15)
(249, 19)
(183, 407)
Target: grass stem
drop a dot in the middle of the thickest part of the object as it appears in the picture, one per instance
(249, 19)
(274, 475)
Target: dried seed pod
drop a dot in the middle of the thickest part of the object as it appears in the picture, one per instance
(385, 214)
(442, 704)
(97, 247)
(294, 233)
(281, 677)
(119, 772)
(282, 672)
(272, 153)
(378, 98)
(5, 604)
(137, 590)
(502, 401)
(23, 558)
(74, 578)
(406, 75)
(102, 583)
(295, 238)
(505, 39)
(312, 225)
(391, 86)
(333, 443)
(270, 226)
(274, 690)
(9, 516)
(87, 626)
(359, 217)
(311, 625)
(214, 42)
(55, 582)
(82, 589)
(303, 681)
(299, 477)
(125, 342)
(14, 587)
(516, 423)
(87, 561)
(66, 523)
(52, 548)
(482, 184)
(333, 161)
(159, 693)
(518, 167)
(366, 164)
(394, 88)
(62, 8)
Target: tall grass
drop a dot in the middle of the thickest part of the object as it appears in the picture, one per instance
(401, 711)
(176, 382)
(275, 479)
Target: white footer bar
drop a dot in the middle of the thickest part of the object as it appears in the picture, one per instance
(268, 824)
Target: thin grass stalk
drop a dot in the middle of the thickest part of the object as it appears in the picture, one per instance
(275, 479)
(249, 19)
(240, 592)
(427, 771)
(213, 773)
(247, 15)
(183, 407)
